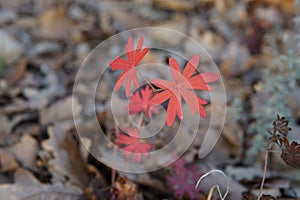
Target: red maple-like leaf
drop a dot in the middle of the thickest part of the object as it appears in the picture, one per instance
(184, 178)
(133, 148)
(179, 166)
(128, 66)
(183, 85)
(183, 185)
(141, 102)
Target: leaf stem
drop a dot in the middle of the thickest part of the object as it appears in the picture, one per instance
(141, 121)
(148, 82)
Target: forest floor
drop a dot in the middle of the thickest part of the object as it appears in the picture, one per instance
(254, 44)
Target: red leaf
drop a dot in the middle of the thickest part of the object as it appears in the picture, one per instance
(183, 85)
(128, 66)
(183, 184)
(179, 166)
(184, 179)
(132, 148)
(141, 102)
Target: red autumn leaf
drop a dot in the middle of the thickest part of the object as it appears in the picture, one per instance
(128, 66)
(179, 166)
(184, 179)
(141, 102)
(132, 147)
(183, 85)
(183, 184)
(291, 153)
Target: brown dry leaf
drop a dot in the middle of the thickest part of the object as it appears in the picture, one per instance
(7, 162)
(61, 110)
(177, 22)
(32, 129)
(236, 60)
(38, 98)
(125, 20)
(97, 189)
(176, 5)
(263, 197)
(5, 131)
(233, 134)
(124, 189)
(291, 153)
(267, 197)
(14, 4)
(55, 61)
(25, 151)
(286, 6)
(16, 72)
(26, 186)
(55, 24)
(150, 181)
(10, 48)
(248, 196)
(67, 164)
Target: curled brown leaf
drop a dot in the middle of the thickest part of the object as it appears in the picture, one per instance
(250, 196)
(291, 153)
(267, 197)
(124, 189)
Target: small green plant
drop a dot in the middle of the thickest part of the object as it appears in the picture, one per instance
(143, 102)
(270, 101)
(290, 152)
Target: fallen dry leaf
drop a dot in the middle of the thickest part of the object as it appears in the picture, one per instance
(267, 197)
(7, 162)
(124, 189)
(67, 164)
(291, 153)
(38, 98)
(26, 186)
(5, 131)
(250, 196)
(61, 110)
(55, 24)
(177, 5)
(25, 151)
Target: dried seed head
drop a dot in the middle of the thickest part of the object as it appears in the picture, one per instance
(280, 130)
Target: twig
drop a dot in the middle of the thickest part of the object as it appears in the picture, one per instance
(265, 168)
(215, 186)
